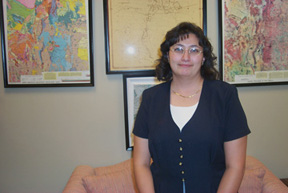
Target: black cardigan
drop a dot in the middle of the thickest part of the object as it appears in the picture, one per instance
(195, 154)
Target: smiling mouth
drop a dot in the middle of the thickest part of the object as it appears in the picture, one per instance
(186, 65)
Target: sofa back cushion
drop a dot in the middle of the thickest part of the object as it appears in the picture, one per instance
(118, 178)
(128, 164)
(117, 182)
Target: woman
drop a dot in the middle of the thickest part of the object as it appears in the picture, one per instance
(192, 125)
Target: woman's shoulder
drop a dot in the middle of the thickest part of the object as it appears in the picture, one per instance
(157, 93)
(220, 88)
(158, 88)
(219, 85)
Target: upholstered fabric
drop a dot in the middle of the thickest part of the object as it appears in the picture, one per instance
(75, 185)
(119, 178)
(252, 181)
(114, 168)
(271, 184)
(118, 182)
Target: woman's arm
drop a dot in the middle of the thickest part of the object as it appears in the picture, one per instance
(235, 157)
(141, 161)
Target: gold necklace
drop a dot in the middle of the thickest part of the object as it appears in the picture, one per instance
(190, 96)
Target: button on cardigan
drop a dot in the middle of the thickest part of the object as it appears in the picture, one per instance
(195, 154)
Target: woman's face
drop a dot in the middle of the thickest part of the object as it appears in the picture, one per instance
(186, 57)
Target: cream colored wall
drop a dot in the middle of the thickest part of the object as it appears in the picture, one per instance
(46, 132)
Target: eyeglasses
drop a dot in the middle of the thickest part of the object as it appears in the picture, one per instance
(180, 50)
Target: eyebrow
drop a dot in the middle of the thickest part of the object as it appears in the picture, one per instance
(178, 44)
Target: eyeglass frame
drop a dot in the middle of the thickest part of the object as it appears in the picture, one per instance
(186, 49)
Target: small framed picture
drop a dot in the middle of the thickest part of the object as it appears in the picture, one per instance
(254, 42)
(133, 86)
(47, 43)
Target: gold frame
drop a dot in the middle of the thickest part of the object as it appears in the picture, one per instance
(134, 30)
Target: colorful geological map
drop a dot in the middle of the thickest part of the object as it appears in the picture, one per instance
(47, 41)
(256, 41)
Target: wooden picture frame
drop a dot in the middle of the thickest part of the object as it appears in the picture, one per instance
(254, 42)
(47, 44)
(135, 29)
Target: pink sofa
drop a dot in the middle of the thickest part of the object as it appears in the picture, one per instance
(119, 178)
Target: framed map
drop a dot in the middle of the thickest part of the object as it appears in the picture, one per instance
(254, 42)
(134, 84)
(135, 29)
(47, 43)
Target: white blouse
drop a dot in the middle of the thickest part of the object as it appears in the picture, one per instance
(181, 115)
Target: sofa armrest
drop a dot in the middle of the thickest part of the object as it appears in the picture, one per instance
(271, 183)
(75, 184)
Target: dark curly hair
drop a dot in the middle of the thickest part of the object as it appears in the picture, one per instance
(181, 32)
